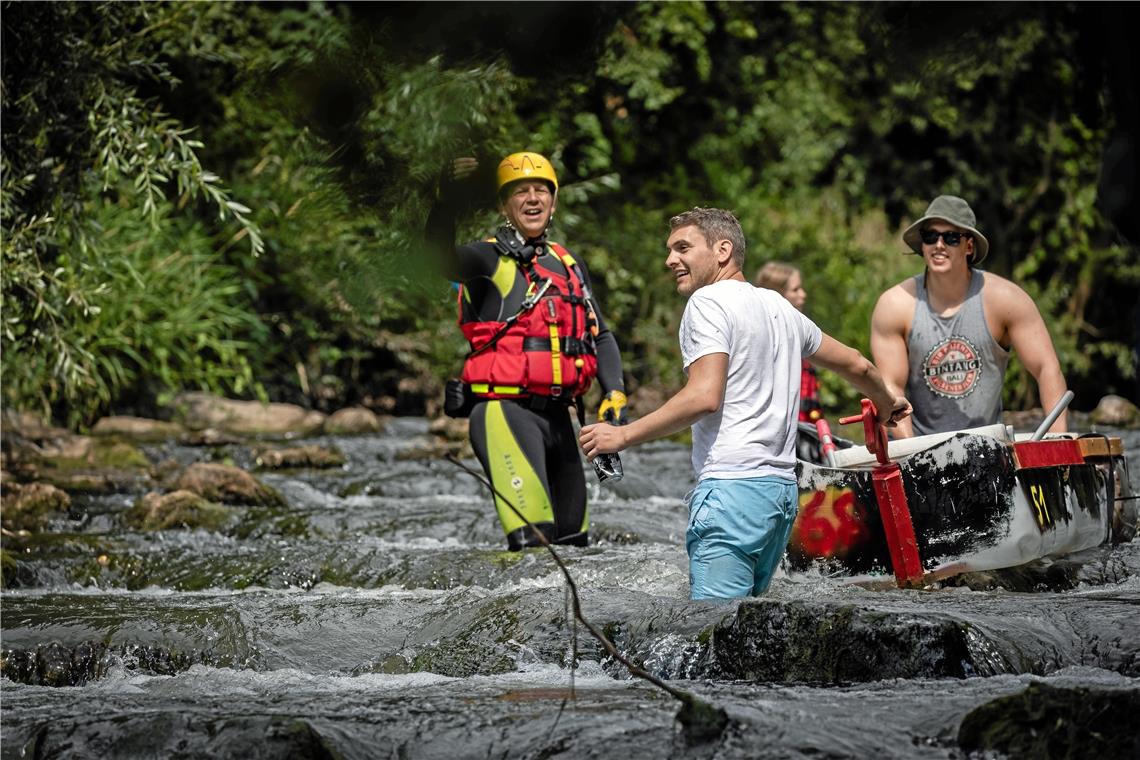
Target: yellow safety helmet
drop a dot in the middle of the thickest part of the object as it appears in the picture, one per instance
(526, 165)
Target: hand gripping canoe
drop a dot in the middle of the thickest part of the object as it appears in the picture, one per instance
(893, 508)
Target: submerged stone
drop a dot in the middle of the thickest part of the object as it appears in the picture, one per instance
(181, 734)
(1055, 722)
(701, 722)
(773, 641)
(57, 664)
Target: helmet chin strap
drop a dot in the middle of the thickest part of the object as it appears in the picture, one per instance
(509, 241)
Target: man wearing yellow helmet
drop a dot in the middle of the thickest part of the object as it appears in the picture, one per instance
(538, 341)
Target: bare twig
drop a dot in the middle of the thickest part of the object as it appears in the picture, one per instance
(702, 721)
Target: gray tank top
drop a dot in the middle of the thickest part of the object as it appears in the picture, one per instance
(956, 366)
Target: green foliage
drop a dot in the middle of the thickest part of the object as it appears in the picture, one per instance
(74, 98)
(159, 316)
(127, 267)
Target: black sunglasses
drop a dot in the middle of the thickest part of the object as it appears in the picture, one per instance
(952, 238)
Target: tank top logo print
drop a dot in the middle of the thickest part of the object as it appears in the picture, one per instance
(952, 368)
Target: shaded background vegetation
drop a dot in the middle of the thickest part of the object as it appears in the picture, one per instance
(231, 196)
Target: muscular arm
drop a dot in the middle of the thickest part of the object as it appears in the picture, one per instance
(702, 395)
(888, 344)
(853, 367)
(1029, 337)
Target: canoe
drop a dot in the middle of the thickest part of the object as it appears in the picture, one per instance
(978, 499)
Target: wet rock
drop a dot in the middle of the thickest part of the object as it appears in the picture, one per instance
(180, 734)
(28, 506)
(1048, 721)
(300, 456)
(137, 428)
(1116, 412)
(80, 463)
(429, 447)
(55, 664)
(393, 665)
(485, 644)
(1040, 575)
(209, 438)
(199, 410)
(772, 641)
(178, 509)
(227, 485)
(72, 452)
(701, 721)
(296, 575)
(602, 535)
(450, 429)
(8, 569)
(355, 420)
(29, 425)
(26, 439)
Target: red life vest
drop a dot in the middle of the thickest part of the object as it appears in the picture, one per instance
(810, 409)
(546, 349)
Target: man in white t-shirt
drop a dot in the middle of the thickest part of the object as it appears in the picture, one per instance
(741, 347)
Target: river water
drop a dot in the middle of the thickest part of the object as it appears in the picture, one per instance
(377, 616)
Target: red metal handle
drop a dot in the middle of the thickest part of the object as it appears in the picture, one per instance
(826, 444)
(874, 433)
(894, 510)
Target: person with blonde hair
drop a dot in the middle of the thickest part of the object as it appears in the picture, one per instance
(786, 280)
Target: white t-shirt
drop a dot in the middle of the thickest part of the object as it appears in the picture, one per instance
(754, 432)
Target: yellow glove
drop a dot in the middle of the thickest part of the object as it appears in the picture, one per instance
(612, 409)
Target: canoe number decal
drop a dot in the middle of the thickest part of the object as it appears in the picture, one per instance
(1044, 489)
(830, 523)
(1040, 507)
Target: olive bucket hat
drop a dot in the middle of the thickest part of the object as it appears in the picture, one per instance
(952, 209)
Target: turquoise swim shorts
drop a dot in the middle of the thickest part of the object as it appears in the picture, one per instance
(738, 531)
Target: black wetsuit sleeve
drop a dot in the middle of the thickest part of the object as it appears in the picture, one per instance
(610, 375)
(439, 236)
(456, 263)
(609, 363)
(454, 199)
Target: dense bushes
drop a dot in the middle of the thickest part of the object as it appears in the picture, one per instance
(230, 196)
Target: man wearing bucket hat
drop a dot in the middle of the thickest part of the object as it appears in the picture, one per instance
(945, 335)
(537, 340)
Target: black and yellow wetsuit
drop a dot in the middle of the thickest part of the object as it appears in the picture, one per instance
(521, 428)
